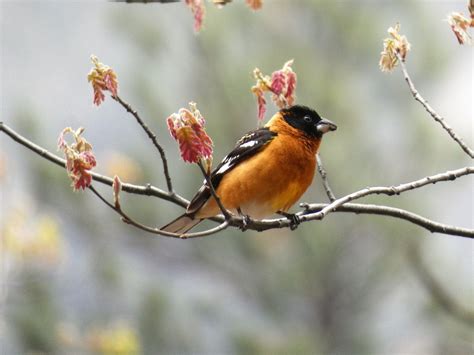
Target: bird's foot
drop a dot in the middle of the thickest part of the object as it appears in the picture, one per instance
(245, 220)
(294, 219)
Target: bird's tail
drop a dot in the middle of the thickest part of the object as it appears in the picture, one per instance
(182, 224)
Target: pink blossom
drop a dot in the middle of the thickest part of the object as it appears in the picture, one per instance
(278, 82)
(282, 85)
(393, 46)
(254, 4)
(111, 83)
(261, 103)
(102, 78)
(187, 128)
(79, 158)
(116, 188)
(460, 26)
(198, 9)
(291, 87)
(80, 171)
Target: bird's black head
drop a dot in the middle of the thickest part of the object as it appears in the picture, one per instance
(307, 120)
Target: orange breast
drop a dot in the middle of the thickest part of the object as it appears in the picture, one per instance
(272, 180)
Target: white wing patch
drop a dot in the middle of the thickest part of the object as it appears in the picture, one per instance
(248, 144)
(226, 166)
(229, 161)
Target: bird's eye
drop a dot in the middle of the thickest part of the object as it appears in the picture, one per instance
(307, 118)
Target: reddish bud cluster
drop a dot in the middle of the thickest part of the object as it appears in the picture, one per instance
(79, 158)
(393, 45)
(282, 85)
(187, 128)
(103, 78)
(254, 4)
(460, 26)
(198, 9)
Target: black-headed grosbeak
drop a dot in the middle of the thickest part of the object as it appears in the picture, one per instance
(267, 171)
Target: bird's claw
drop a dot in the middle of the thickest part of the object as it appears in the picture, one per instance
(294, 221)
(245, 222)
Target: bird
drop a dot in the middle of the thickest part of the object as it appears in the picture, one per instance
(267, 172)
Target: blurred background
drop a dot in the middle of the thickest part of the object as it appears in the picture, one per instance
(75, 279)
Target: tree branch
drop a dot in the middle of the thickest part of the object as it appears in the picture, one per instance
(153, 138)
(432, 112)
(147, 190)
(316, 211)
(127, 219)
(389, 190)
(224, 211)
(324, 178)
(432, 226)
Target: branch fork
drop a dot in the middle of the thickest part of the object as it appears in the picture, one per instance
(310, 211)
(438, 118)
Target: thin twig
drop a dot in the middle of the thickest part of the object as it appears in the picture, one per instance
(432, 226)
(324, 178)
(339, 205)
(389, 190)
(154, 230)
(432, 112)
(436, 290)
(224, 211)
(127, 219)
(153, 138)
(147, 190)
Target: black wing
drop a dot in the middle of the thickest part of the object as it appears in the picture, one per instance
(246, 147)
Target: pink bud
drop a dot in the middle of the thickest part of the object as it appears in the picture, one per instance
(291, 86)
(198, 9)
(79, 158)
(102, 78)
(116, 187)
(187, 127)
(278, 82)
(254, 4)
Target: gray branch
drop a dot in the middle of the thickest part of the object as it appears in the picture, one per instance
(432, 112)
(387, 190)
(324, 178)
(127, 219)
(152, 137)
(312, 211)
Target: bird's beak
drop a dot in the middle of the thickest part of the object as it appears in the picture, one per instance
(325, 126)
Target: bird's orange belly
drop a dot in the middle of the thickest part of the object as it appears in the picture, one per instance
(260, 188)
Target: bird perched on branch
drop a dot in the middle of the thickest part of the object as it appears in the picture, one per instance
(267, 172)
